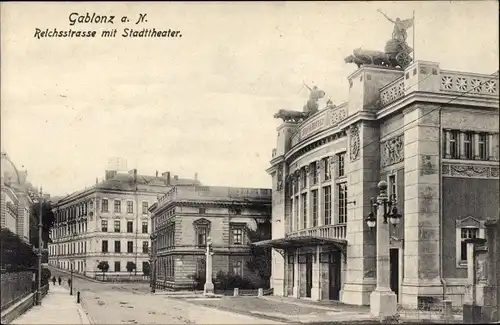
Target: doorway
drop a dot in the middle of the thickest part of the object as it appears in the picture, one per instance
(394, 266)
(334, 269)
(309, 273)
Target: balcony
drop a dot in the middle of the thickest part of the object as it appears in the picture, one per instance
(330, 231)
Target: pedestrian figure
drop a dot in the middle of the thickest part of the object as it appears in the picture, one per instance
(54, 280)
(69, 283)
(59, 280)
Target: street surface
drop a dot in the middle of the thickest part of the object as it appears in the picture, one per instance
(132, 303)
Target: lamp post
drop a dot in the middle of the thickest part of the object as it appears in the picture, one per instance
(208, 289)
(39, 255)
(152, 275)
(383, 301)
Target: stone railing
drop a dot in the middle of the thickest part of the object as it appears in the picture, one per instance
(470, 83)
(331, 231)
(392, 91)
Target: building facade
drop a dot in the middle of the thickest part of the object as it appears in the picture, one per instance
(432, 135)
(185, 217)
(109, 222)
(15, 199)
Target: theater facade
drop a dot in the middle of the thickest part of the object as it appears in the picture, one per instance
(432, 134)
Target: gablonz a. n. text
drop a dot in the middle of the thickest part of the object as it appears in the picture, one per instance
(76, 18)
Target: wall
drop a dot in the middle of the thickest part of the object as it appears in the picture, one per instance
(464, 197)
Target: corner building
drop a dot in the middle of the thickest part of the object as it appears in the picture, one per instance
(432, 135)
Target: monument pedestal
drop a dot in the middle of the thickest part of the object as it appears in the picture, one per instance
(383, 303)
(208, 289)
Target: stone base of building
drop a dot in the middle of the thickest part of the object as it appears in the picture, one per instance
(357, 293)
(383, 303)
(415, 294)
(315, 294)
(278, 286)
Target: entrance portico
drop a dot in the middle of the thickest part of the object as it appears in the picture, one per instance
(313, 265)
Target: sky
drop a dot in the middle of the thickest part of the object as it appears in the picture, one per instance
(204, 102)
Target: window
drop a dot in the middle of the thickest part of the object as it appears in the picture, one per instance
(314, 171)
(315, 207)
(201, 236)
(328, 169)
(237, 236)
(130, 226)
(468, 145)
(117, 246)
(104, 246)
(466, 233)
(482, 146)
(145, 247)
(392, 185)
(341, 164)
(453, 144)
(303, 177)
(304, 210)
(144, 207)
(202, 211)
(144, 227)
(296, 223)
(130, 247)
(237, 268)
(117, 225)
(118, 206)
(117, 266)
(104, 205)
(130, 207)
(104, 225)
(342, 199)
(328, 205)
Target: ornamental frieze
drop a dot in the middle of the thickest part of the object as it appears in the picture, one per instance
(392, 151)
(279, 185)
(354, 142)
(472, 171)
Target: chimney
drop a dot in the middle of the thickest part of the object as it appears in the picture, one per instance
(110, 174)
(156, 173)
(195, 176)
(167, 176)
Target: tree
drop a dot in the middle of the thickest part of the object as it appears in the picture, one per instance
(16, 255)
(130, 267)
(48, 220)
(260, 257)
(104, 267)
(146, 269)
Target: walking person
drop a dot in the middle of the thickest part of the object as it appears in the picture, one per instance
(59, 280)
(54, 280)
(69, 283)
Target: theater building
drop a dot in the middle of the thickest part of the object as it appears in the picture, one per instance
(186, 217)
(432, 135)
(109, 221)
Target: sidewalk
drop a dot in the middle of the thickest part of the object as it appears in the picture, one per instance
(58, 307)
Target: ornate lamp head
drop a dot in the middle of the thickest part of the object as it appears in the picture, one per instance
(371, 220)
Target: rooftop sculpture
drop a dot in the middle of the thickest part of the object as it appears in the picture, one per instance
(396, 53)
(309, 108)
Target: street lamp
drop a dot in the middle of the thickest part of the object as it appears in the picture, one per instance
(152, 274)
(208, 289)
(383, 301)
(39, 253)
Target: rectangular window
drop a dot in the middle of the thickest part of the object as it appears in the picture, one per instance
(392, 185)
(237, 268)
(104, 245)
(482, 146)
(117, 246)
(202, 237)
(145, 207)
(104, 205)
(202, 211)
(130, 207)
(315, 208)
(453, 144)
(303, 177)
(104, 225)
(341, 164)
(328, 169)
(237, 236)
(118, 206)
(130, 247)
(468, 151)
(117, 266)
(144, 227)
(130, 226)
(145, 247)
(466, 233)
(327, 201)
(314, 171)
(342, 202)
(304, 210)
(296, 212)
(117, 225)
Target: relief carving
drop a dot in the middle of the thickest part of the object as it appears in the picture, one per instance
(279, 186)
(469, 170)
(426, 167)
(354, 142)
(392, 151)
(494, 171)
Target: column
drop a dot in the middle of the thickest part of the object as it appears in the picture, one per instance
(293, 221)
(493, 146)
(296, 275)
(321, 168)
(383, 301)
(461, 145)
(309, 196)
(316, 276)
(475, 148)
(447, 143)
(300, 210)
